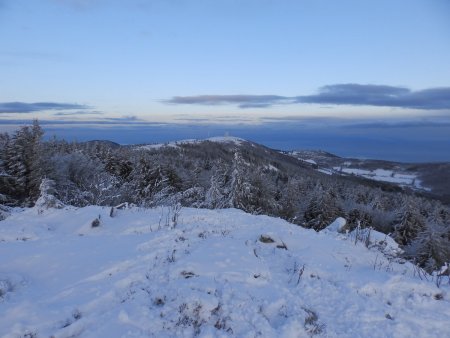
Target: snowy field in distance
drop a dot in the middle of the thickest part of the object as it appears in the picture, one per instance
(218, 273)
(383, 175)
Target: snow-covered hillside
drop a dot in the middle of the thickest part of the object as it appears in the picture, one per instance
(217, 139)
(422, 177)
(212, 273)
(398, 177)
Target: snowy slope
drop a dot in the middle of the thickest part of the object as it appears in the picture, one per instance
(218, 273)
(217, 139)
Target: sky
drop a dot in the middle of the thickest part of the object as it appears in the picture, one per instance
(360, 78)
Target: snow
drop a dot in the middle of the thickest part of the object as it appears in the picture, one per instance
(310, 161)
(337, 225)
(371, 238)
(216, 274)
(271, 167)
(325, 171)
(384, 175)
(226, 139)
(217, 139)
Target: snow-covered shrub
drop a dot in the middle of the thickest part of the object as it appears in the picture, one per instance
(4, 212)
(175, 211)
(192, 317)
(5, 287)
(430, 248)
(357, 218)
(312, 325)
(47, 198)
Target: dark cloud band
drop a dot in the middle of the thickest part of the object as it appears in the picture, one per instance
(339, 94)
(381, 96)
(243, 101)
(23, 107)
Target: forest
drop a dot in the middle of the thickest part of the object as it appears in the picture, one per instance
(214, 175)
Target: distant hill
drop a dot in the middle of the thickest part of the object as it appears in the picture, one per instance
(432, 179)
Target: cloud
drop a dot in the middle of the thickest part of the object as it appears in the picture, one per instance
(399, 124)
(381, 96)
(338, 94)
(23, 107)
(124, 119)
(243, 101)
(78, 112)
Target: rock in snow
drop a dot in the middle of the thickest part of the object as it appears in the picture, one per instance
(209, 276)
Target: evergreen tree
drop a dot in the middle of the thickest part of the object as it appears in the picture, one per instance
(6, 180)
(430, 248)
(288, 200)
(215, 196)
(409, 221)
(22, 161)
(239, 186)
(322, 210)
(35, 158)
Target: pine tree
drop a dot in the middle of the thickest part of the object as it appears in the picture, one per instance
(6, 180)
(15, 161)
(22, 160)
(240, 192)
(35, 160)
(430, 248)
(215, 196)
(409, 221)
(288, 200)
(322, 210)
(143, 178)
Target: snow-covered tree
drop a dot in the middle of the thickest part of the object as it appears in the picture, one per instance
(323, 209)
(409, 221)
(358, 218)
(242, 194)
(215, 196)
(430, 248)
(22, 161)
(47, 198)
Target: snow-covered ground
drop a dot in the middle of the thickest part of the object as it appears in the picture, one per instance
(310, 161)
(400, 177)
(384, 176)
(216, 273)
(217, 139)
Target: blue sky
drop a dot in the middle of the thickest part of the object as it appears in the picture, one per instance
(326, 64)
